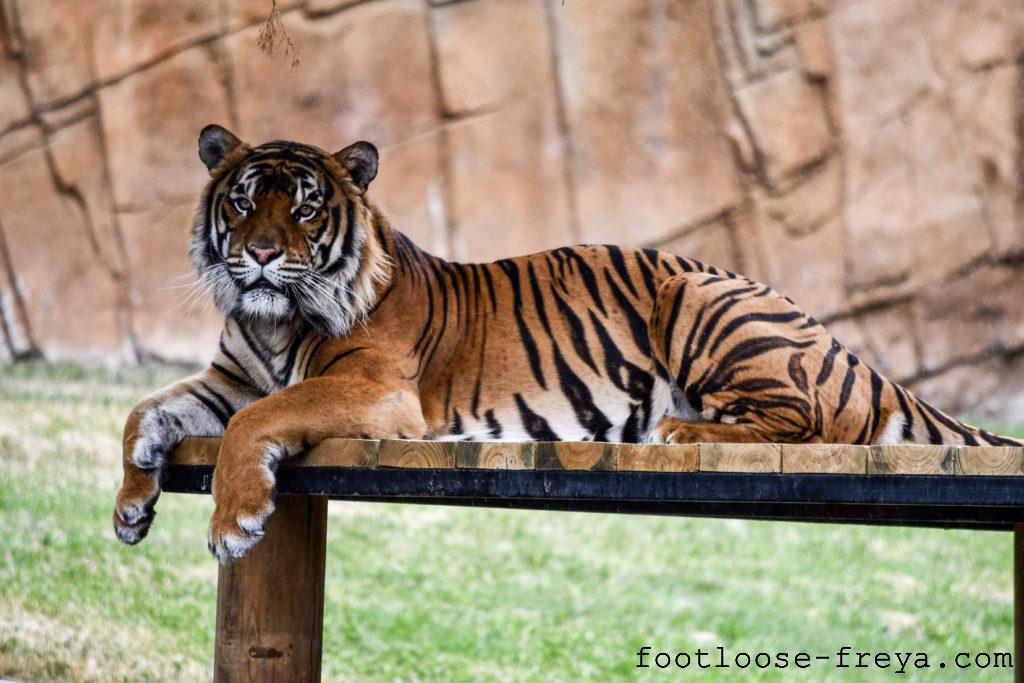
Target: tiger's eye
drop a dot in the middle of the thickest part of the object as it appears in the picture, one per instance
(243, 204)
(306, 210)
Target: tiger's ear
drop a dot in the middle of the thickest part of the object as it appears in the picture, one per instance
(360, 159)
(215, 143)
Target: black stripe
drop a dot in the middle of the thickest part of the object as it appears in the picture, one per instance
(213, 408)
(637, 323)
(588, 277)
(578, 334)
(423, 340)
(908, 415)
(490, 289)
(673, 318)
(828, 363)
(538, 302)
(492, 424)
(722, 372)
(647, 274)
(535, 425)
(736, 323)
(442, 283)
(338, 357)
(260, 354)
(615, 254)
(587, 413)
(512, 272)
(225, 405)
(797, 372)
(232, 376)
(876, 401)
(863, 434)
(652, 256)
(951, 424)
(638, 383)
(480, 373)
(709, 327)
(847, 388)
(348, 244)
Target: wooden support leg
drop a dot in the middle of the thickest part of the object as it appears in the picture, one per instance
(1018, 603)
(270, 603)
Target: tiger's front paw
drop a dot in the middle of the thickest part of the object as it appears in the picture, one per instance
(134, 511)
(237, 525)
(147, 444)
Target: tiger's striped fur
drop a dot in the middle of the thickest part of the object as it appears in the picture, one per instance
(338, 325)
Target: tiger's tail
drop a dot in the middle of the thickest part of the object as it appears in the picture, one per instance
(925, 424)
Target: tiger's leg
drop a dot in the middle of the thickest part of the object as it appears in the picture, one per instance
(737, 354)
(198, 406)
(286, 423)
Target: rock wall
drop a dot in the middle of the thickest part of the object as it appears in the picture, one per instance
(863, 156)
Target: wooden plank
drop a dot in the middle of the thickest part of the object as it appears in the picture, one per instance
(573, 455)
(587, 455)
(658, 457)
(270, 603)
(415, 454)
(494, 455)
(993, 460)
(824, 458)
(196, 450)
(912, 459)
(740, 457)
(202, 450)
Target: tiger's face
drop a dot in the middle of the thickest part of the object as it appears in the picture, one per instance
(282, 230)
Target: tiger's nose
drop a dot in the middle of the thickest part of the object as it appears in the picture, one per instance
(263, 252)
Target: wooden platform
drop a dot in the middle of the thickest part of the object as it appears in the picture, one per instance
(611, 457)
(270, 603)
(952, 487)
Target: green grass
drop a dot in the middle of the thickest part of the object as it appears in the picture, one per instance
(452, 594)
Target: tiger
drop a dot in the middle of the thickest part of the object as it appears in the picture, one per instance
(338, 325)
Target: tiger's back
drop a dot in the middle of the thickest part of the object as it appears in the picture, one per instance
(609, 343)
(550, 346)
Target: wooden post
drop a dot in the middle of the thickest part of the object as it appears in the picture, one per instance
(270, 603)
(1018, 603)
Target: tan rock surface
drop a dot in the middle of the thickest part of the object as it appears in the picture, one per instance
(648, 152)
(865, 158)
(53, 38)
(74, 305)
(152, 121)
(478, 40)
(788, 121)
(349, 86)
(508, 191)
(135, 32)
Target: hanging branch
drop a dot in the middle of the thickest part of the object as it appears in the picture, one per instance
(267, 38)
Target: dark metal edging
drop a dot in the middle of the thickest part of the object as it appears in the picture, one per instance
(986, 502)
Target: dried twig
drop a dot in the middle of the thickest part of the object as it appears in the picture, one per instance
(267, 40)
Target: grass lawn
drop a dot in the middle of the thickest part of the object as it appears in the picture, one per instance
(448, 594)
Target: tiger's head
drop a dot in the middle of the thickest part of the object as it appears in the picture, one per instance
(283, 232)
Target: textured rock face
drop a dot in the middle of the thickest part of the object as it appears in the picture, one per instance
(866, 158)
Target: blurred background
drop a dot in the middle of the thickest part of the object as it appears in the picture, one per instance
(862, 156)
